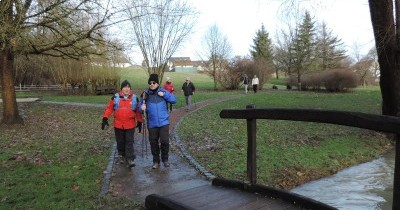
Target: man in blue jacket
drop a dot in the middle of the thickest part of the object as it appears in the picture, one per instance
(154, 104)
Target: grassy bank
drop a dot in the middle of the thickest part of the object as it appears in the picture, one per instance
(288, 153)
(55, 160)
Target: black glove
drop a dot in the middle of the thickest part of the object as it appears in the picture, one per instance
(139, 126)
(104, 123)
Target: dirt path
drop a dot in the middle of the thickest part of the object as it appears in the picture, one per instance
(140, 181)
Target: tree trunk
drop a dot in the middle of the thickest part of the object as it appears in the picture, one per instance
(388, 56)
(10, 108)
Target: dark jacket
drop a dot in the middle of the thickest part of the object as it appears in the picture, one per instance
(245, 80)
(188, 88)
(156, 107)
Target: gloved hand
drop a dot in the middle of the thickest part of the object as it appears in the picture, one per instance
(139, 126)
(104, 123)
(161, 93)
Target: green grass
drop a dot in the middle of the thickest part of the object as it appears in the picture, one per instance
(56, 160)
(289, 153)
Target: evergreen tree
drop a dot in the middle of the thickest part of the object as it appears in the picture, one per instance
(262, 54)
(329, 49)
(262, 48)
(304, 47)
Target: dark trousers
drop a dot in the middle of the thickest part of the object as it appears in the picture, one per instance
(255, 87)
(125, 141)
(159, 140)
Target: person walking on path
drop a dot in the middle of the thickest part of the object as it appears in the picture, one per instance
(188, 90)
(245, 82)
(255, 82)
(126, 112)
(153, 103)
(169, 86)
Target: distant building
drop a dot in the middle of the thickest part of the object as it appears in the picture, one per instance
(184, 64)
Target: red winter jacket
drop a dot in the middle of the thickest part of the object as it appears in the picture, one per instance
(124, 116)
(169, 87)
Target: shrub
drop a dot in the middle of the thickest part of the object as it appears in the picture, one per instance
(339, 80)
(332, 80)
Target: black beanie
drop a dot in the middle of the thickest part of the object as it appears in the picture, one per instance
(154, 78)
(125, 83)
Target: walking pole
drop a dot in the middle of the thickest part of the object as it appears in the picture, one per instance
(194, 102)
(143, 140)
(144, 143)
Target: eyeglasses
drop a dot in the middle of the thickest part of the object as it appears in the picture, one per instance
(152, 83)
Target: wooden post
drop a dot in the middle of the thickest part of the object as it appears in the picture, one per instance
(251, 148)
(396, 179)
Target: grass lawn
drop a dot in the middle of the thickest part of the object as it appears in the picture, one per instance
(55, 160)
(288, 153)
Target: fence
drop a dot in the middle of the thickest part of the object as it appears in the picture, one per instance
(388, 124)
(39, 87)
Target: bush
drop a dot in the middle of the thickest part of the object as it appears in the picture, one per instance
(333, 80)
(339, 80)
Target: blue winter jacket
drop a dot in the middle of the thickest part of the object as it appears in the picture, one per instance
(156, 107)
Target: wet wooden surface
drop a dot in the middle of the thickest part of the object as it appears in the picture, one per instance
(218, 198)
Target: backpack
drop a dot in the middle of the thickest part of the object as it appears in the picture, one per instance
(117, 98)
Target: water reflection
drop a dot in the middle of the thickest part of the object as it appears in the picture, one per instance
(367, 186)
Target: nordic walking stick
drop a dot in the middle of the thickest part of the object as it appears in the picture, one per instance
(143, 140)
(144, 143)
(194, 102)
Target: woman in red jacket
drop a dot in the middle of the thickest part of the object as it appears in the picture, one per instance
(124, 104)
(169, 86)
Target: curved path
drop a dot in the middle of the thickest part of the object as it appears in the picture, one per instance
(138, 182)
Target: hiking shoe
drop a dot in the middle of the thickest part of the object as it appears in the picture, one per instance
(166, 164)
(131, 163)
(156, 166)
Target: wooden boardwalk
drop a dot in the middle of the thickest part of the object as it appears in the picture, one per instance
(227, 195)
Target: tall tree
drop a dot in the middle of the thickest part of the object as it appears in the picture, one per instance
(217, 50)
(160, 27)
(385, 17)
(262, 53)
(329, 49)
(56, 28)
(283, 53)
(304, 47)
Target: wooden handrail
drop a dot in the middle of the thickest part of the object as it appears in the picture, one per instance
(382, 123)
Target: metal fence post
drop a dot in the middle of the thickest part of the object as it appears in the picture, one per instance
(251, 148)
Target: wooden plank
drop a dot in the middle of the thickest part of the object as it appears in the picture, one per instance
(194, 193)
(200, 196)
(382, 123)
(217, 198)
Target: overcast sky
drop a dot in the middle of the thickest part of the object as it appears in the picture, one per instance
(239, 20)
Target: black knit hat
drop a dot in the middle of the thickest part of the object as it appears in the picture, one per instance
(154, 78)
(125, 83)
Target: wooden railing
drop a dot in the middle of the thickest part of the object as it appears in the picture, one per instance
(39, 87)
(387, 124)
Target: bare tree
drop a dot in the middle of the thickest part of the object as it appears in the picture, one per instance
(160, 27)
(56, 28)
(217, 50)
